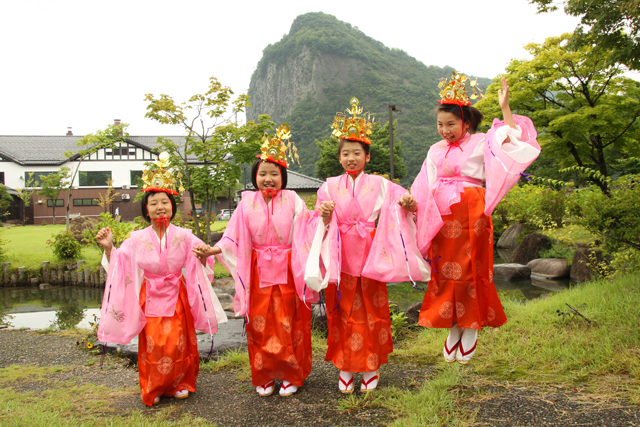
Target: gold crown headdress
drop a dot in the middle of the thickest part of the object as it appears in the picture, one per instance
(276, 149)
(354, 128)
(161, 178)
(455, 91)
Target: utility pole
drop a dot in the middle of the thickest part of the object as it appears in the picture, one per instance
(392, 108)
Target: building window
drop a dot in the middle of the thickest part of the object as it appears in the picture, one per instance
(85, 202)
(59, 203)
(123, 151)
(136, 178)
(94, 179)
(2, 178)
(36, 177)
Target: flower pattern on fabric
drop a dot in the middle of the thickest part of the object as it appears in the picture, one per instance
(274, 305)
(166, 326)
(344, 316)
(178, 239)
(425, 323)
(179, 378)
(373, 361)
(273, 345)
(257, 361)
(480, 226)
(491, 314)
(286, 324)
(258, 323)
(307, 327)
(249, 338)
(491, 274)
(192, 337)
(348, 284)
(383, 336)
(380, 299)
(446, 310)
(357, 302)
(356, 342)
(370, 321)
(182, 343)
(276, 375)
(460, 310)
(150, 344)
(471, 290)
(435, 250)
(143, 357)
(335, 334)
(149, 385)
(474, 325)
(469, 250)
(452, 270)
(165, 365)
(339, 361)
(291, 361)
(451, 229)
(298, 337)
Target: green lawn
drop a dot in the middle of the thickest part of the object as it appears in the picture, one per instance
(27, 246)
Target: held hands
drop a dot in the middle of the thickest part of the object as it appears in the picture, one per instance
(408, 203)
(503, 100)
(105, 239)
(202, 252)
(325, 210)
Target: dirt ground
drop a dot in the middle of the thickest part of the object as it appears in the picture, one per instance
(227, 401)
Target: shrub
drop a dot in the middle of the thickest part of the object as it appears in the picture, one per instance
(80, 224)
(119, 230)
(65, 245)
(535, 206)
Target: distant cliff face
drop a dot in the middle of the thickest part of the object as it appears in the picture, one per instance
(283, 86)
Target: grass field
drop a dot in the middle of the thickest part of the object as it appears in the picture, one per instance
(27, 246)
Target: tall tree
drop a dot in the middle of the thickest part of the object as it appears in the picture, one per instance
(5, 201)
(210, 143)
(52, 184)
(611, 26)
(25, 193)
(329, 165)
(91, 143)
(586, 112)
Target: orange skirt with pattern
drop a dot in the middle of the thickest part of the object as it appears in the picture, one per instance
(360, 327)
(168, 358)
(278, 332)
(461, 290)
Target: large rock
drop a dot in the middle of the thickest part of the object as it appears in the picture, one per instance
(509, 238)
(413, 313)
(584, 263)
(530, 247)
(550, 268)
(511, 271)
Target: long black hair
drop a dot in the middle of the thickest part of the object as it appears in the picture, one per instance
(145, 199)
(254, 173)
(472, 116)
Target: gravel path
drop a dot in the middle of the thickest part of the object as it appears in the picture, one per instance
(226, 401)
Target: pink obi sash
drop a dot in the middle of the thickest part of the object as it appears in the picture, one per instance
(273, 264)
(356, 241)
(448, 189)
(162, 294)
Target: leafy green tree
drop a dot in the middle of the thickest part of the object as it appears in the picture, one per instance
(52, 184)
(5, 201)
(586, 112)
(25, 193)
(329, 165)
(91, 143)
(612, 26)
(217, 144)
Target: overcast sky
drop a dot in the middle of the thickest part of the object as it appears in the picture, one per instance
(85, 63)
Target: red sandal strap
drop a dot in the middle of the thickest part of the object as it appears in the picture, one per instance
(269, 384)
(346, 384)
(449, 351)
(366, 384)
(464, 353)
(285, 386)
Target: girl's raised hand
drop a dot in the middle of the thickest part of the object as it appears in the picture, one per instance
(408, 203)
(104, 238)
(503, 100)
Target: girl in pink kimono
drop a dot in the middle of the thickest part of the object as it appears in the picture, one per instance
(353, 259)
(454, 213)
(259, 251)
(147, 294)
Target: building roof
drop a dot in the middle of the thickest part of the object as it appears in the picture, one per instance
(297, 181)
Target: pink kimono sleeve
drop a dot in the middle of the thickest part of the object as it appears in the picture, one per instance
(121, 317)
(303, 231)
(394, 255)
(236, 258)
(428, 218)
(202, 299)
(503, 169)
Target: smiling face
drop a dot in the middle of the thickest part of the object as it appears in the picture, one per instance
(451, 127)
(268, 176)
(352, 156)
(159, 205)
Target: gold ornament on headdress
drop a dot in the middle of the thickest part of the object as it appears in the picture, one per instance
(455, 91)
(276, 149)
(355, 128)
(161, 178)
